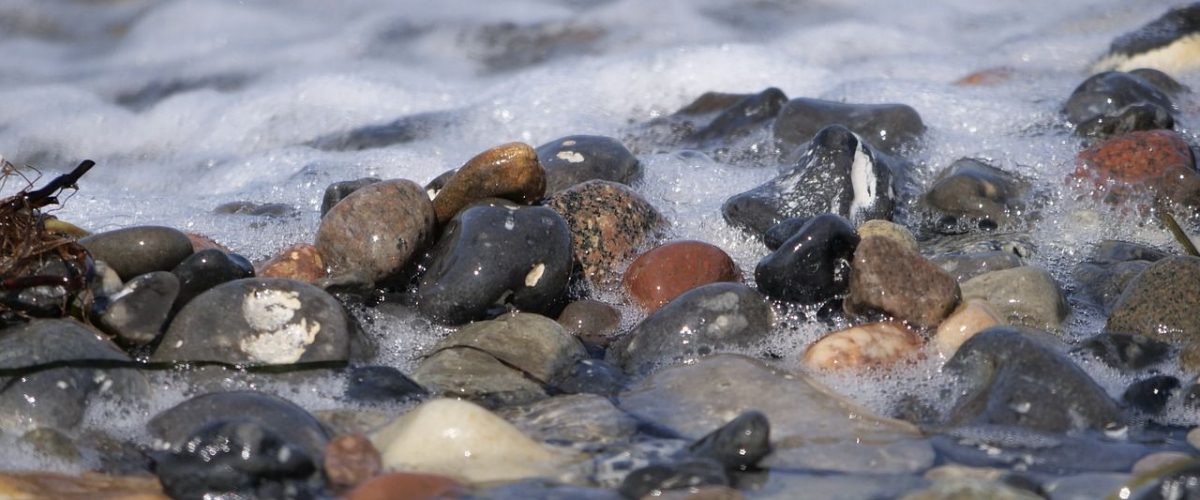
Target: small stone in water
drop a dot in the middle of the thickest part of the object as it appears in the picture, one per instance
(134, 251)
(659, 275)
(580, 158)
(738, 445)
(510, 171)
(887, 277)
(1152, 394)
(351, 459)
(373, 233)
(205, 269)
(300, 262)
(1125, 351)
(140, 311)
(655, 479)
(971, 317)
(813, 265)
(595, 323)
(383, 384)
(864, 346)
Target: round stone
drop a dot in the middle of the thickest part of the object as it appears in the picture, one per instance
(608, 222)
(373, 233)
(208, 268)
(889, 229)
(658, 276)
(351, 459)
(510, 171)
(1157, 161)
(579, 158)
(595, 323)
(865, 346)
(134, 251)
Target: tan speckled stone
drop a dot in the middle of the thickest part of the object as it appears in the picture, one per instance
(351, 459)
(35, 485)
(889, 229)
(864, 346)
(889, 278)
(609, 222)
(971, 317)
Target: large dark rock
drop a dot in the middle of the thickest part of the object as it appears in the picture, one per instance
(492, 256)
(1012, 378)
(580, 158)
(701, 322)
(134, 251)
(813, 265)
(1114, 103)
(259, 321)
(838, 173)
(1161, 302)
(889, 127)
(738, 445)
(381, 384)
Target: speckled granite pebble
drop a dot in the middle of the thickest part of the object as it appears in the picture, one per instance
(609, 222)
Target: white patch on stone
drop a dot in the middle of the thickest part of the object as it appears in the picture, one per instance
(280, 339)
(1179, 56)
(862, 181)
(569, 142)
(570, 156)
(535, 275)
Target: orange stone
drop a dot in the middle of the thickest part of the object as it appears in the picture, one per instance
(989, 76)
(202, 242)
(351, 459)
(301, 262)
(510, 171)
(658, 276)
(1154, 162)
(407, 486)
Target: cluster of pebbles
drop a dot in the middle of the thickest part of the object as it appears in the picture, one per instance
(542, 389)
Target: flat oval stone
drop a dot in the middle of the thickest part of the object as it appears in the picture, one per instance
(972, 188)
(579, 158)
(259, 321)
(510, 171)
(813, 265)
(701, 322)
(887, 277)
(595, 323)
(659, 275)
(300, 262)
(1025, 296)
(890, 126)
(608, 222)
(206, 269)
(838, 173)
(374, 232)
(138, 250)
(865, 346)
(971, 317)
(1161, 303)
(491, 256)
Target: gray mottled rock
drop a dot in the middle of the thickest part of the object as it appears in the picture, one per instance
(889, 127)
(259, 321)
(811, 427)
(1024, 295)
(964, 266)
(741, 118)
(701, 322)
(1113, 264)
(490, 256)
(1126, 352)
(581, 421)
(579, 158)
(1161, 302)
(134, 251)
(813, 265)
(139, 312)
(1012, 378)
(373, 233)
(838, 173)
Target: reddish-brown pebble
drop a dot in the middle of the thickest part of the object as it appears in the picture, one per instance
(608, 221)
(300, 262)
(35, 485)
(202, 242)
(407, 486)
(1156, 160)
(595, 323)
(889, 278)
(350, 460)
(510, 171)
(989, 76)
(658, 276)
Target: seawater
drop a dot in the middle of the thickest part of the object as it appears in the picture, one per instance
(186, 105)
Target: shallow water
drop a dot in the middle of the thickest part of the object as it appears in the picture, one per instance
(190, 104)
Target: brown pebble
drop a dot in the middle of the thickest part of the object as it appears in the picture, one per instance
(510, 171)
(971, 317)
(407, 486)
(351, 459)
(989, 76)
(36, 485)
(373, 233)
(658, 276)
(609, 222)
(300, 262)
(202, 242)
(864, 346)
(1158, 460)
(595, 323)
(888, 278)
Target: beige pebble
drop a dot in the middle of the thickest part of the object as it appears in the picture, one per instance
(889, 229)
(1193, 438)
(1158, 460)
(971, 317)
(869, 345)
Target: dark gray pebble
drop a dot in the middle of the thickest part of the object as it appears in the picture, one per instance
(813, 265)
(579, 158)
(140, 312)
(138, 250)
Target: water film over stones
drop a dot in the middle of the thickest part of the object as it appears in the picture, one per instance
(491, 257)
(838, 173)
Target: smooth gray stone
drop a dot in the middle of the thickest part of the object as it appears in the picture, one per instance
(173, 426)
(134, 251)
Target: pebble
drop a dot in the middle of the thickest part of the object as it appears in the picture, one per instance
(579, 158)
(594, 323)
(350, 460)
(889, 229)
(741, 118)
(873, 345)
(662, 274)
(408, 486)
(258, 321)
(737, 445)
(253, 209)
(134, 251)
(202, 242)
(971, 317)
(1025, 296)
(465, 442)
(490, 257)
(706, 320)
(1129, 165)
(373, 233)
(1151, 394)
(974, 189)
(809, 424)
(651, 481)
(1126, 352)
(813, 265)
(138, 313)
(886, 277)
(381, 384)
(1113, 264)
(205, 269)
(507, 360)
(779, 233)
(609, 223)
(33, 485)
(1114, 103)
(1167, 43)
(338, 191)
(591, 376)
(891, 127)
(300, 262)
(1154, 461)
(510, 171)
(585, 422)
(837, 173)
(964, 266)
(1161, 302)
(1012, 378)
